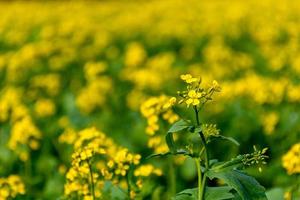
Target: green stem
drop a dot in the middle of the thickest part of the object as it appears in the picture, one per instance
(197, 160)
(204, 143)
(197, 115)
(128, 185)
(202, 190)
(172, 178)
(206, 151)
(92, 180)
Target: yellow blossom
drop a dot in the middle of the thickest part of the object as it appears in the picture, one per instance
(291, 160)
(193, 98)
(44, 108)
(10, 187)
(188, 78)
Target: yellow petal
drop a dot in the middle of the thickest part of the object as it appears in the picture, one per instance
(196, 102)
(192, 93)
(189, 101)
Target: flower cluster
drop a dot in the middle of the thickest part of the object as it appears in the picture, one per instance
(256, 158)
(210, 130)
(93, 94)
(146, 73)
(195, 94)
(69, 134)
(291, 160)
(24, 135)
(269, 121)
(153, 109)
(10, 105)
(10, 187)
(49, 84)
(97, 159)
(80, 176)
(147, 170)
(44, 108)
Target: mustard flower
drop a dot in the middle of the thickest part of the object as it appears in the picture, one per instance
(291, 160)
(11, 186)
(188, 78)
(193, 98)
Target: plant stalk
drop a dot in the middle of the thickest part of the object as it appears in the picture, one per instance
(128, 185)
(172, 178)
(203, 140)
(92, 180)
(197, 161)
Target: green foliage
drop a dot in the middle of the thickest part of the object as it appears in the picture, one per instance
(211, 193)
(275, 194)
(176, 127)
(246, 186)
(230, 139)
(110, 191)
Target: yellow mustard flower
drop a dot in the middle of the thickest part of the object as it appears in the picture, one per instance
(188, 78)
(193, 98)
(10, 187)
(291, 160)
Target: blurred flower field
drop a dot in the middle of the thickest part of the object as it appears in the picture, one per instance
(86, 87)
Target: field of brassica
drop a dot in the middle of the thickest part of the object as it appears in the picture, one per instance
(98, 100)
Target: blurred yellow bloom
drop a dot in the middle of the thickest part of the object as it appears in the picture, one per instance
(270, 120)
(24, 133)
(11, 187)
(155, 107)
(188, 78)
(291, 160)
(93, 69)
(135, 54)
(147, 170)
(288, 195)
(44, 108)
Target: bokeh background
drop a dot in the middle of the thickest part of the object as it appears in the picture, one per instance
(74, 64)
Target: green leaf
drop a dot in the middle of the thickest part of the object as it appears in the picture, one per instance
(218, 193)
(188, 170)
(211, 193)
(187, 194)
(158, 155)
(230, 139)
(113, 192)
(170, 142)
(275, 194)
(131, 179)
(246, 186)
(228, 165)
(197, 130)
(179, 126)
(177, 152)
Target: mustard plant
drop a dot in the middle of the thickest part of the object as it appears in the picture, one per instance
(101, 169)
(236, 183)
(11, 187)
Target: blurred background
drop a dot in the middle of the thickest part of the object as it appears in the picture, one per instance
(67, 65)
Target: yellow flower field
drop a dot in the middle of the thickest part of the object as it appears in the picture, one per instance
(113, 99)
